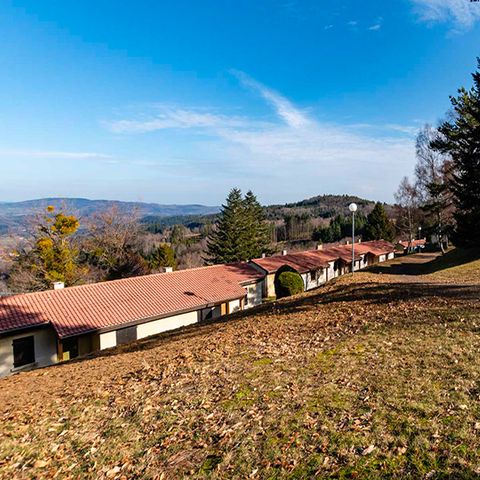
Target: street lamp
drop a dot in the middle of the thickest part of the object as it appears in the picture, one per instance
(353, 208)
(419, 233)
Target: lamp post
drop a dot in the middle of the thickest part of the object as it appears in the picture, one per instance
(353, 208)
(419, 233)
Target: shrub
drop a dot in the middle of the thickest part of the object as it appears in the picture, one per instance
(288, 283)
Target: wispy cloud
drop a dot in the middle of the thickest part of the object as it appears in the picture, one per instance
(167, 117)
(377, 25)
(463, 13)
(294, 147)
(54, 154)
(352, 23)
(285, 109)
(328, 27)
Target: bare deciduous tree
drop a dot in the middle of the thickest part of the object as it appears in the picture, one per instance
(408, 211)
(431, 174)
(113, 245)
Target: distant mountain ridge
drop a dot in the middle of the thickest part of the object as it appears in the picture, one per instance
(15, 214)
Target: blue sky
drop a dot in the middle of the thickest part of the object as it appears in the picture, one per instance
(178, 101)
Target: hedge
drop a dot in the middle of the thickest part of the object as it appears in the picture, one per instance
(288, 283)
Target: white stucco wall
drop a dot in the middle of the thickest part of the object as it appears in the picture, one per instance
(331, 271)
(108, 340)
(363, 261)
(319, 278)
(254, 294)
(234, 306)
(165, 324)
(391, 256)
(45, 345)
(270, 285)
(382, 258)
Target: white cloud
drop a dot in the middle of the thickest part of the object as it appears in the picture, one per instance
(54, 154)
(463, 13)
(296, 148)
(166, 117)
(352, 23)
(406, 129)
(285, 109)
(375, 27)
(327, 27)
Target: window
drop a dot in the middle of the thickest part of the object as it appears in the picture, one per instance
(126, 335)
(23, 351)
(70, 346)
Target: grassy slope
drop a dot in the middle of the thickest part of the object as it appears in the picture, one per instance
(373, 379)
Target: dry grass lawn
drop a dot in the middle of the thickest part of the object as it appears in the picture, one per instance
(375, 377)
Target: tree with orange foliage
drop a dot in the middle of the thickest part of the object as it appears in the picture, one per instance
(50, 257)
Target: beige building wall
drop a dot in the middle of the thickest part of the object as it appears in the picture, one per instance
(270, 285)
(234, 306)
(165, 324)
(254, 294)
(45, 345)
(108, 340)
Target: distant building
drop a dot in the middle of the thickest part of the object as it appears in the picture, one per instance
(319, 266)
(411, 246)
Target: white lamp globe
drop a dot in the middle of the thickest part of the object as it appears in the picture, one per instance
(353, 207)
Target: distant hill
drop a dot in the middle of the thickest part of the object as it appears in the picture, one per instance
(321, 206)
(14, 215)
(324, 206)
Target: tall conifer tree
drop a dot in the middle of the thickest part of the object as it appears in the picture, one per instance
(241, 232)
(227, 242)
(460, 138)
(257, 230)
(378, 226)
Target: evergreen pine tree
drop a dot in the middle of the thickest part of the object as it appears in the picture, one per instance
(378, 226)
(227, 242)
(161, 256)
(460, 138)
(257, 230)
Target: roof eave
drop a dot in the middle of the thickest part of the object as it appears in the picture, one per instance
(139, 321)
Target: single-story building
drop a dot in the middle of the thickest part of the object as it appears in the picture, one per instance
(42, 328)
(416, 246)
(319, 266)
(316, 267)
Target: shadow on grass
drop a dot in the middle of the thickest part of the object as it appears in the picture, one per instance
(425, 263)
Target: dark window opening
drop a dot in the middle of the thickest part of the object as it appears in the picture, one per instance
(126, 335)
(70, 345)
(23, 351)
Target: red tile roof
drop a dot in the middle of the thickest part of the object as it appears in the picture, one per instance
(308, 260)
(413, 243)
(301, 261)
(375, 247)
(85, 308)
(314, 259)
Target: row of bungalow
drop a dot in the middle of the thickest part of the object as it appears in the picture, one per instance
(42, 328)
